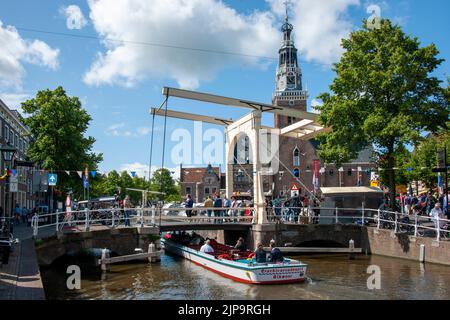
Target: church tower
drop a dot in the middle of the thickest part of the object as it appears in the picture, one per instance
(289, 91)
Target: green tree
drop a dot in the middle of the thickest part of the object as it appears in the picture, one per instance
(58, 124)
(162, 181)
(384, 95)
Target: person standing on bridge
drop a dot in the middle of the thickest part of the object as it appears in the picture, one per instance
(436, 213)
(218, 204)
(127, 206)
(209, 204)
(188, 203)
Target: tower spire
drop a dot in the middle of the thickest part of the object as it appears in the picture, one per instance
(286, 3)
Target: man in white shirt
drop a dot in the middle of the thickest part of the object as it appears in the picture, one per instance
(206, 248)
(436, 213)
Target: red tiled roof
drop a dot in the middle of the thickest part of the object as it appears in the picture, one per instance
(192, 175)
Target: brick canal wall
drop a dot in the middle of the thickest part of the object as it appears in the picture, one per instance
(386, 243)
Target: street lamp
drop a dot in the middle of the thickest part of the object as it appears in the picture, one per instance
(8, 152)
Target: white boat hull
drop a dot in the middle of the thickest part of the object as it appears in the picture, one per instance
(289, 272)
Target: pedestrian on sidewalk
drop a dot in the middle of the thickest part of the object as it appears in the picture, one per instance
(209, 203)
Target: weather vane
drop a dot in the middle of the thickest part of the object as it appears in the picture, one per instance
(286, 5)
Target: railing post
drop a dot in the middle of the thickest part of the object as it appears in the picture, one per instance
(438, 229)
(57, 225)
(395, 222)
(378, 218)
(362, 213)
(337, 219)
(86, 219)
(415, 224)
(142, 217)
(153, 214)
(35, 224)
(113, 211)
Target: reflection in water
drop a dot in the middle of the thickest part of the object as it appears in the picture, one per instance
(330, 277)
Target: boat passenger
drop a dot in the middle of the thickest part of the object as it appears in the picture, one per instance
(260, 254)
(240, 245)
(275, 253)
(207, 248)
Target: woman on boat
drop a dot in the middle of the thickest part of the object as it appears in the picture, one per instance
(275, 253)
(240, 245)
(260, 254)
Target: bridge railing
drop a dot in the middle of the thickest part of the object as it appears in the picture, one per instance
(83, 220)
(416, 225)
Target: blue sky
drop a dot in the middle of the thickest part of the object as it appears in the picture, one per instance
(118, 83)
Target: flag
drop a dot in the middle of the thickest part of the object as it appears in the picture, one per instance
(316, 176)
(85, 182)
(93, 173)
(80, 173)
(13, 172)
(133, 173)
(68, 173)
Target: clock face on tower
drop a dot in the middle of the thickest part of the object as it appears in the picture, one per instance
(291, 80)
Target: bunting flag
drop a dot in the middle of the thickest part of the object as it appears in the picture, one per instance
(68, 173)
(14, 172)
(85, 182)
(133, 173)
(80, 173)
(93, 173)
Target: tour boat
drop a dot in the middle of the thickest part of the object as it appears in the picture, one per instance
(236, 264)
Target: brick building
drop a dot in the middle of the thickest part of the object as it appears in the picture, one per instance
(201, 182)
(14, 134)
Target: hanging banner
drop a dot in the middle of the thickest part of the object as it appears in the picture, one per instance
(68, 173)
(93, 173)
(316, 176)
(79, 173)
(133, 173)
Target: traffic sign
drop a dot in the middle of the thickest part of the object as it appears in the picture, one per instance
(294, 187)
(13, 187)
(52, 179)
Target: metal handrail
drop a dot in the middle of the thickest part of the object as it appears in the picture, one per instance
(147, 216)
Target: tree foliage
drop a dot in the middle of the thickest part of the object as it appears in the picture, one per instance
(384, 95)
(58, 124)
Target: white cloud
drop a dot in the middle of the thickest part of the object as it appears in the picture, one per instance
(204, 24)
(142, 169)
(74, 17)
(117, 130)
(14, 51)
(319, 27)
(314, 104)
(14, 100)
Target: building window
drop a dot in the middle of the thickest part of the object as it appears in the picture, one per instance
(349, 172)
(188, 190)
(206, 190)
(297, 173)
(331, 173)
(6, 133)
(11, 136)
(214, 190)
(296, 157)
(17, 141)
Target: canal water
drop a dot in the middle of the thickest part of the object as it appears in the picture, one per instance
(330, 277)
